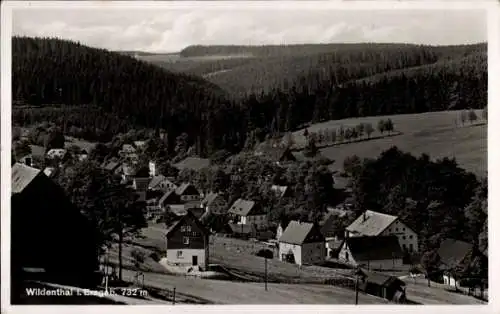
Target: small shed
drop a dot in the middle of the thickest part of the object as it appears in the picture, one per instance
(383, 286)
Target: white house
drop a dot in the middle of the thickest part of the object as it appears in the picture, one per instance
(451, 254)
(302, 244)
(187, 243)
(249, 213)
(372, 223)
(375, 252)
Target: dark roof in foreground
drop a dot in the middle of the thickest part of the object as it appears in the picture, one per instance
(374, 248)
(452, 252)
(381, 278)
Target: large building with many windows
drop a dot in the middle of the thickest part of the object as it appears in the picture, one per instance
(372, 223)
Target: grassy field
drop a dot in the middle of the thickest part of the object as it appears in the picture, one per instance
(433, 133)
(238, 255)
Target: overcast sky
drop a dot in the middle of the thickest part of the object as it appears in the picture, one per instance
(168, 30)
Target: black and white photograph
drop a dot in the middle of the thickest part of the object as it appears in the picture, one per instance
(207, 153)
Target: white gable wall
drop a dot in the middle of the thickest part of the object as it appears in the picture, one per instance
(407, 238)
(345, 256)
(284, 248)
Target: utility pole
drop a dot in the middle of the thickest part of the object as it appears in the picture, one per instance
(173, 297)
(357, 289)
(265, 276)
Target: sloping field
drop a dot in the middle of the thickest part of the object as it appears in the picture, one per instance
(433, 133)
(226, 292)
(239, 255)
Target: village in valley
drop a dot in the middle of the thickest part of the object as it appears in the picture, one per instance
(346, 172)
(195, 227)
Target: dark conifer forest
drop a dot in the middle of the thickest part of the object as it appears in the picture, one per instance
(269, 89)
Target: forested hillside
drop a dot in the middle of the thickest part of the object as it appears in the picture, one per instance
(124, 93)
(105, 93)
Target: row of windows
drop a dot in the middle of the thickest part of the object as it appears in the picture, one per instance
(185, 228)
(397, 229)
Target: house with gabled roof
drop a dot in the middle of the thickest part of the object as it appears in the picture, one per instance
(372, 223)
(382, 285)
(302, 243)
(249, 212)
(214, 203)
(188, 192)
(452, 253)
(41, 210)
(372, 252)
(161, 183)
(187, 243)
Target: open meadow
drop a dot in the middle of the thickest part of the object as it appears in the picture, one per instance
(289, 283)
(433, 133)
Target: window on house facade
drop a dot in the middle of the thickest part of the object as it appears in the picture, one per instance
(397, 229)
(183, 228)
(346, 256)
(188, 228)
(179, 253)
(411, 237)
(411, 247)
(404, 237)
(404, 229)
(404, 246)
(186, 240)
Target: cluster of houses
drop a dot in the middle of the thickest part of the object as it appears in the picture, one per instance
(372, 241)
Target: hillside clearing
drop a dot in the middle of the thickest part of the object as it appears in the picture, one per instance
(433, 133)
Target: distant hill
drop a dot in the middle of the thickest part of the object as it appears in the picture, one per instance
(240, 94)
(244, 69)
(127, 92)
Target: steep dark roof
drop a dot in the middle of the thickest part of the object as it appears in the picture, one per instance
(193, 163)
(299, 233)
(381, 279)
(142, 172)
(452, 252)
(327, 224)
(22, 176)
(188, 216)
(374, 248)
(185, 187)
(169, 196)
